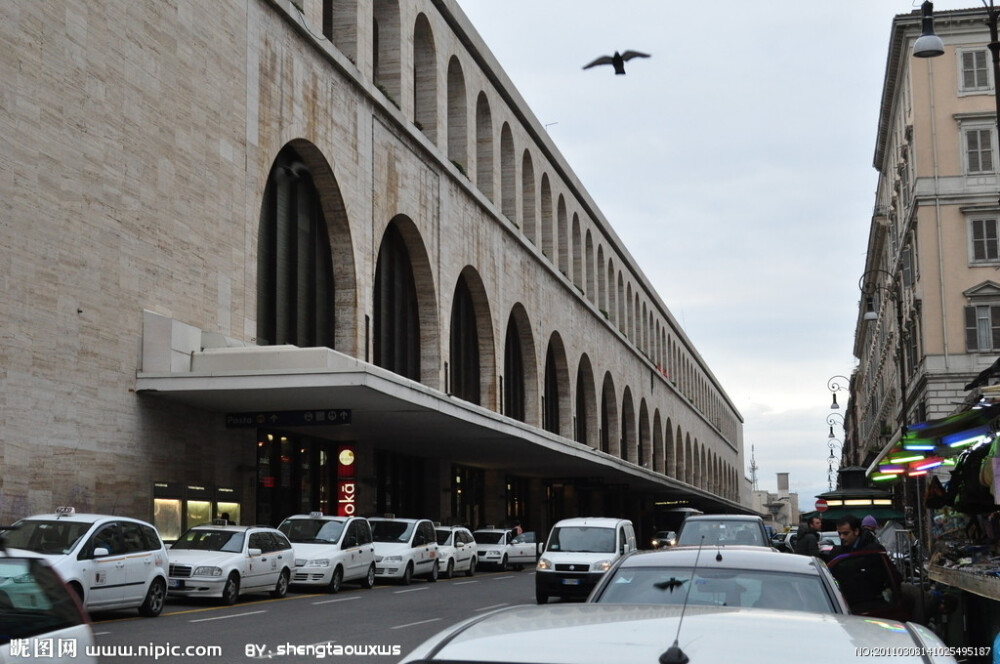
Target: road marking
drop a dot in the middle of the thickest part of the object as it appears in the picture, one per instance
(235, 615)
(334, 601)
(422, 622)
(495, 606)
(502, 578)
(411, 590)
(462, 583)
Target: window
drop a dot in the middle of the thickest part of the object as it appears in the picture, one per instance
(983, 236)
(982, 327)
(975, 73)
(979, 150)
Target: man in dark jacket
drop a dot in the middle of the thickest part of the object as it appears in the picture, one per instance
(854, 538)
(808, 542)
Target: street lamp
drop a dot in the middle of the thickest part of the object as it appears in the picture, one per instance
(831, 419)
(834, 386)
(832, 460)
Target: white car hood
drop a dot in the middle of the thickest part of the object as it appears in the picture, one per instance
(53, 559)
(391, 548)
(196, 557)
(314, 551)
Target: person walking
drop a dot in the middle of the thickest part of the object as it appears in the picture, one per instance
(807, 543)
(854, 537)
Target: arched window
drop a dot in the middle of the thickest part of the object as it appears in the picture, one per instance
(464, 374)
(295, 290)
(550, 415)
(513, 372)
(396, 325)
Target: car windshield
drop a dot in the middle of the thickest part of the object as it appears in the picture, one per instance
(53, 537)
(524, 538)
(729, 587)
(443, 537)
(721, 532)
(312, 531)
(392, 531)
(33, 600)
(582, 539)
(211, 540)
(487, 537)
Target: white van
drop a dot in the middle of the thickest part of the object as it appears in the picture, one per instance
(578, 553)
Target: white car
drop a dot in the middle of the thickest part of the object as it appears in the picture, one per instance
(40, 619)
(457, 550)
(404, 548)
(498, 548)
(228, 561)
(330, 550)
(111, 562)
(602, 633)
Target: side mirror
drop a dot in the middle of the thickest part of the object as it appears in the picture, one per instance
(254, 552)
(101, 551)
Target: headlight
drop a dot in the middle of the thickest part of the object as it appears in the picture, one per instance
(655, 543)
(393, 559)
(544, 564)
(601, 566)
(207, 571)
(319, 562)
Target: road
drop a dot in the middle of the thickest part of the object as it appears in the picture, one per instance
(389, 619)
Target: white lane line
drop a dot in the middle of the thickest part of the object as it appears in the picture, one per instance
(410, 590)
(495, 606)
(235, 615)
(502, 578)
(422, 622)
(462, 583)
(334, 601)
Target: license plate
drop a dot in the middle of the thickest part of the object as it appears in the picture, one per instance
(571, 582)
(174, 583)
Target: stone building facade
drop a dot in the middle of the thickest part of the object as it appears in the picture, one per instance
(228, 222)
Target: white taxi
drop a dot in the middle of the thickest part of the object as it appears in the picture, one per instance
(227, 561)
(501, 549)
(457, 550)
(111, 562)
(330, 550)
(404, 548)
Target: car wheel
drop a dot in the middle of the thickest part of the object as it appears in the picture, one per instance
(335, 581)
(231, 593)
(449, 571)
(433, 576)
(541, 598)
(281, 587)
(155, 597)
(369, 580)
(503, 564)
(407, 575)
(472, 568)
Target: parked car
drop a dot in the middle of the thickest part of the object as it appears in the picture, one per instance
(828, 540)
(330, 550)
(229, 561)
(742, 576)
(602, 633)
(785, 542)
(404, 548)
(457, 550)
(498, 549)
(110, 562)
(663, 538)
(723, 529)
(577, 554)
(871, 584)
(41, 618)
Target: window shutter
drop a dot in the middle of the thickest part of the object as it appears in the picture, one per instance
(995, 326)
(986, 150)
(970, 329)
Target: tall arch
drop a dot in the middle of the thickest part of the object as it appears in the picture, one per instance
(590, 284)
(458, 116)
(562, 237)
(576, 254)
(528, 202)
(659, 451)
(306, 290)
(508, 174)
(546, 202)
(629, 447)
(644, 450)
(557, 411)
(484, 146)
(340, 26)
(610, 439)
(471, 373)
(520, 377)
(387, 49)
(586, 419)
(425, 85)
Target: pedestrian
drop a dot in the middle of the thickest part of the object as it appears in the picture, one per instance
(853, 537)
(807, 543)
(517, 529)
(870, 523)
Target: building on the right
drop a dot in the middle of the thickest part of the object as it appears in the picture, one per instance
(929, 304)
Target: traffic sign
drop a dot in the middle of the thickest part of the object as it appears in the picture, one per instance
(289, 418)
(821, 505)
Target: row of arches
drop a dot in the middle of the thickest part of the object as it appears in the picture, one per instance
(439, 87)
(303, 260)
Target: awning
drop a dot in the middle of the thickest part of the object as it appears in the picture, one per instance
(882, 514)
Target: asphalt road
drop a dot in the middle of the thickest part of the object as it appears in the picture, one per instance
(351, 626)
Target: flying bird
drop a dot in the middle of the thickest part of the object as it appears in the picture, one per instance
(617, 60)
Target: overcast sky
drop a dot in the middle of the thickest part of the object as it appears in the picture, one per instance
(736, 166)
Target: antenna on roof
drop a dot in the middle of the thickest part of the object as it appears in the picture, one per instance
(674, 654)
